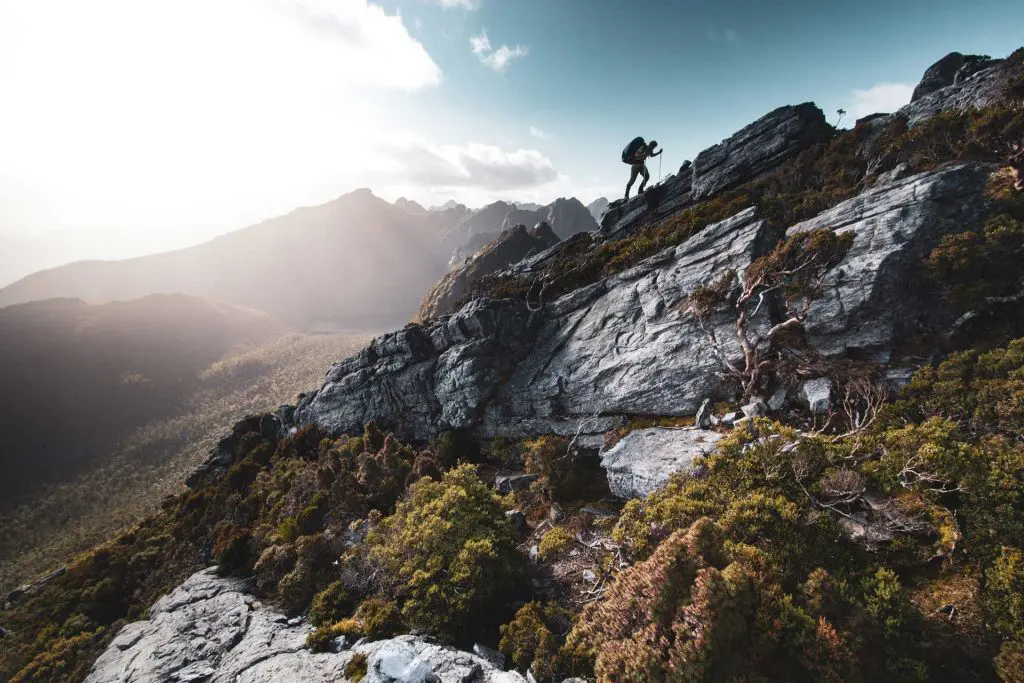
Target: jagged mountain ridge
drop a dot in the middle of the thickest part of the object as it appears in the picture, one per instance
(315, 266)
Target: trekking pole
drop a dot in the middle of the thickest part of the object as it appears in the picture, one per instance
(659, 168)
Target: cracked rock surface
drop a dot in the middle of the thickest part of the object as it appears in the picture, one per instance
(210, 629)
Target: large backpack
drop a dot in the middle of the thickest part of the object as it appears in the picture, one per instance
(629, 154)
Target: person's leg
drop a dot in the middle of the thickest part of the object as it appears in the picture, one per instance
(633, 173)
(646, 176)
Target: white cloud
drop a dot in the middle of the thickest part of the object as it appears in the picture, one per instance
(477, 166)
(469, 5)
(884, 97)
(480, 44)
(732, 36)
(538, 133)
(499, 59)
(193, 116)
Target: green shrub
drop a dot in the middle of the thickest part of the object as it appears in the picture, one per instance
(234, 550)
(331, 604)
(555, 542)
(448, 555)
(355, 668)
(534, 638)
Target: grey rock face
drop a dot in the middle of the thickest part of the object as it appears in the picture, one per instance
(643, 460)
(938, 75)
(981, 84)
(514, 482)
(617, 347)
(869, 297)
(623, 347)
(762, 145)
(818, 394)
(210, 629)
(511, 246)
(422, 381)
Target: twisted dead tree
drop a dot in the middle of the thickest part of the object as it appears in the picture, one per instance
(788, 280)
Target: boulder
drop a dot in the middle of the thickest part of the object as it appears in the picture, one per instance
(760, 147)
(643, 460)
(211, 629)
(508, 483)
(756, 408)
(818, 394)
(938, 75)
(869, 300)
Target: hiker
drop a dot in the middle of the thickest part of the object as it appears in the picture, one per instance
(636, 154)
(1017, 165)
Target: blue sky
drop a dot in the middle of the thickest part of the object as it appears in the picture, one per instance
(687, 73)
(134, 126)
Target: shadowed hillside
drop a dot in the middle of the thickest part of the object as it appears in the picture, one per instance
(77, 377)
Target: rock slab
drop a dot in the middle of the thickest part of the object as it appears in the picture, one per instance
(210, 629)
(643, 461)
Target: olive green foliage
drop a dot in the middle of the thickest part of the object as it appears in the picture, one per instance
(376, 618)
(267, 517)
(534, 640)
(555, 541)
(332, 604)
(355, 668)
(973, 266)
(448, 555)
(704, 607)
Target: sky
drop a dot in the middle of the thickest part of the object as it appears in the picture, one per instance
(136, 126)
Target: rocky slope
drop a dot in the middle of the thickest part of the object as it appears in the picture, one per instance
(624, 341)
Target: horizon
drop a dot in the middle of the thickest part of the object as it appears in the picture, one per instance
(284, 104)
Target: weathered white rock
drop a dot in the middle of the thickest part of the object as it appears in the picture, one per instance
(704, 415)
(210, 629)
(643, 460)
(777, 400)
(818, 394)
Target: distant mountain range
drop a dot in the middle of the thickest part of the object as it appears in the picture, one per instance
(357, 262)
(598, 207)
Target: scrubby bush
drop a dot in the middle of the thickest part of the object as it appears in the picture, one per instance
(533, 640)
(448, 555)
(331, 604)
(234, 550)
(555, 542)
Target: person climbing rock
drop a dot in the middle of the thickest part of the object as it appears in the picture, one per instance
(636, 154)
(1016, 162)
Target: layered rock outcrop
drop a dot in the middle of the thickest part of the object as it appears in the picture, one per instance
(211, 629)
(756, 149)
(871, 297)
(621, 346)
(618, 347)
(511, 246)
(976, 82)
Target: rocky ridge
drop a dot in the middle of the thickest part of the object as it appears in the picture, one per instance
(586, 363)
